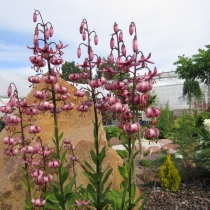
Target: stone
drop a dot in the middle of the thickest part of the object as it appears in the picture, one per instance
(74, 125)
(154, 149)
(114, 141)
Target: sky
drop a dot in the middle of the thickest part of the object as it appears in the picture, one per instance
(164, 28)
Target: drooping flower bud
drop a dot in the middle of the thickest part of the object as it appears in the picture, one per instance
(123, 49)
(111, 58)
(47, 33)
(131, 29)
(82, 24)
(9, 91)
(84, 35)
(51, 31)
(96, 39)
(79, 52)
(34, 17)
(115, 27)
(112, 43)
(135, 44)
(121, 36)
(91, 55)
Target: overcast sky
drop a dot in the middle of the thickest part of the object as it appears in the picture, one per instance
(166, 28)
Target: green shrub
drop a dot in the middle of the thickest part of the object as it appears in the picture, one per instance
(165, 122)
(112, 131)
(169, 175)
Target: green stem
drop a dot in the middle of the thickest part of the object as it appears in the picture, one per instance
(129, 175)
(57, 141)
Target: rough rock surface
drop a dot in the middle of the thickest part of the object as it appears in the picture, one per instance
(76, 126)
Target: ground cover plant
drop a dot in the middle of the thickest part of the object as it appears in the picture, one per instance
(46, 177)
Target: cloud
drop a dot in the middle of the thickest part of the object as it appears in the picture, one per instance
(165, 28)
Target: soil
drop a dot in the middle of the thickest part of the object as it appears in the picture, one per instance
(194, 195)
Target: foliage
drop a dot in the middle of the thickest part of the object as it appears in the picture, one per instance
(69, 68)
(165, 122)
(2, 125)
(122, 153)
(112, 131)
(191, 89)
(169, 175)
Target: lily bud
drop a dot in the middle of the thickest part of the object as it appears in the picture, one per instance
(131, 29)
(84, 35)
(111, 58)
(115, 27)
(112, 43)
(121, 36)
(9, 91)
(80, 30)
(135, 44)
(123, 49)
(96, 39)
(51, 31)
(34, 17)
(47, 33)
(79, 52)
(82, 24)
(91, 55)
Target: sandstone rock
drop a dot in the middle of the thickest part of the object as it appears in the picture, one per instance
(114, 141)
(76, 126)
(154, 149)
(165, 141)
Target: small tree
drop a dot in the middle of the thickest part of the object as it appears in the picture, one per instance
(69, 68)
(169, 175)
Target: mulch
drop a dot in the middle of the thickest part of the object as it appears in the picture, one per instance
(194, 195)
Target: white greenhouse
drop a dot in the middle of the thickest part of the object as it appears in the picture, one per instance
(167, 87)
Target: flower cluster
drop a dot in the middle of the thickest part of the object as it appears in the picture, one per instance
(206, 124)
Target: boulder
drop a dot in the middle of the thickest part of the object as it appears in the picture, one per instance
(75, 125)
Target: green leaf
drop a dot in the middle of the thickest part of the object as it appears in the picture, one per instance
(123, 171)
(60, 137)
(92, 192)
(106, 191)
(93, 156)
(126, 147)
(92, 177)
(63, 156)
(89, 166)
(64, 177)
(54, 141)
(107, 175)
(102, 155)
(24, 185)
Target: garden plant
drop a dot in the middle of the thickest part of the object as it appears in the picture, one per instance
(46, 172)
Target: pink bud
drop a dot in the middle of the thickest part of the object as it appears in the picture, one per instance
(115, 27)
(47, 33)
(123, 49)
(34, 17)
(51, 31)
(135, 44)
(112, 43)
(82, 24)
(79, 52)
(131, 29)
(9, 91)
(121, 36)
(84, 35)
(96, 39)
(91, 55)
(111, 58)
